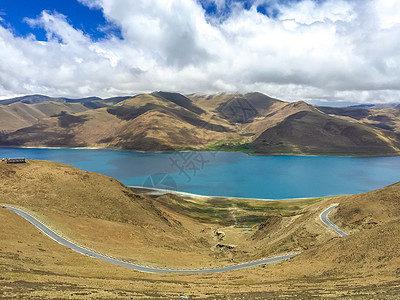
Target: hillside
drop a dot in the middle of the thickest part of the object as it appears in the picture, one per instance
(161, 121)
(36, 99)
(19, 115)
(372, 249)
(383, 118)
(101, 213)
(94, 208)
(145, 122)
(26, 111)
(313, 132)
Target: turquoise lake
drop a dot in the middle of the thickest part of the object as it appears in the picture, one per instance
(229, 174)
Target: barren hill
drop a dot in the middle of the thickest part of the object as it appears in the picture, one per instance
(313, 132)
(372, 249)
(19, 115)
(26, 111)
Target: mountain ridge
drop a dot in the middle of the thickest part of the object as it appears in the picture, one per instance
(163, 121)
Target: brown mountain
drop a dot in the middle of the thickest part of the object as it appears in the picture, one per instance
(21, 112)
(145, 122)
(163, 121)
(313, 132)
(384, 118)
(19, 115)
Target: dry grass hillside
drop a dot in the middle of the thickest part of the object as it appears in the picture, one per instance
(384, 118)
(19, 115)
(279, 112)
(314, 132)
(103, 214)
(161, 121)
(369, 210)
(154, 125)
(372, 250)
(94, 208)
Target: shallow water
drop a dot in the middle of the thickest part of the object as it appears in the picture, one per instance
(229, 174)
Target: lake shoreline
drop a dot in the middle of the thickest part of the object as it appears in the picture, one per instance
(159, 192)
(205, 150)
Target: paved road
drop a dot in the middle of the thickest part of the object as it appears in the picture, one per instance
(324, 218)
(64, 241)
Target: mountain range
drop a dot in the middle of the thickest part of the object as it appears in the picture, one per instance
(162, 121)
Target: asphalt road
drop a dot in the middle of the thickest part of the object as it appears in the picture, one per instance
(324, 218)
(142, 268)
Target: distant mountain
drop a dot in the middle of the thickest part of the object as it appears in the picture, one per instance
(25, 111)
(363, 105)
(388, 119)
(19, 115)
(388, 105)
(163, 121)
(35, 99)
(30, 99)
(314, 132)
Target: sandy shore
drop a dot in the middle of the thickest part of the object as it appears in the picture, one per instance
(159, 192)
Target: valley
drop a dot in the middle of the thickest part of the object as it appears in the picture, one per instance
(188, 232)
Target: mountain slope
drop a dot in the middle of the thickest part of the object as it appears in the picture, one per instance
(313, 132)
(149, 127)
(371, 251)
(372, 248)
(384, 118)
(21, 112)
(29, 99)
(36, 99)
(276, 115)
(97, 210)
(19, 115)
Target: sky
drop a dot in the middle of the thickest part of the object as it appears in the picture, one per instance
(313, 50)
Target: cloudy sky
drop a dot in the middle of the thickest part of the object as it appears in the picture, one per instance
(291, 49)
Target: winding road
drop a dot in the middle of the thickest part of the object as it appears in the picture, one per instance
(142, 268)
(324, 218)
(148, 269)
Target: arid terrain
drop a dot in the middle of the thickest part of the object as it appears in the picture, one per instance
(101, 213)
(252, 123)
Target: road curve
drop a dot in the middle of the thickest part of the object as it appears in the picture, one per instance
(324, 218)
(82, 250)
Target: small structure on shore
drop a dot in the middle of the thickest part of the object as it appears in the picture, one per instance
(15, 160)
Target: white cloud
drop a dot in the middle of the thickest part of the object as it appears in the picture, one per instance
(388, 12)
(333, 50)
(308, 12)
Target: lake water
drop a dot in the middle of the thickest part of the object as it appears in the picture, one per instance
(229, 174)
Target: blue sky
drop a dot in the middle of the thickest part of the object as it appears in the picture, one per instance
(225, 10)
(90, 21)
(329, 50)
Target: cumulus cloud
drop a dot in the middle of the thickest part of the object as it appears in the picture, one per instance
(334, 49)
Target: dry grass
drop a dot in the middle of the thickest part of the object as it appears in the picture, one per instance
(100, 212)
(363, 265)
(31, 265)
(19, 115)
